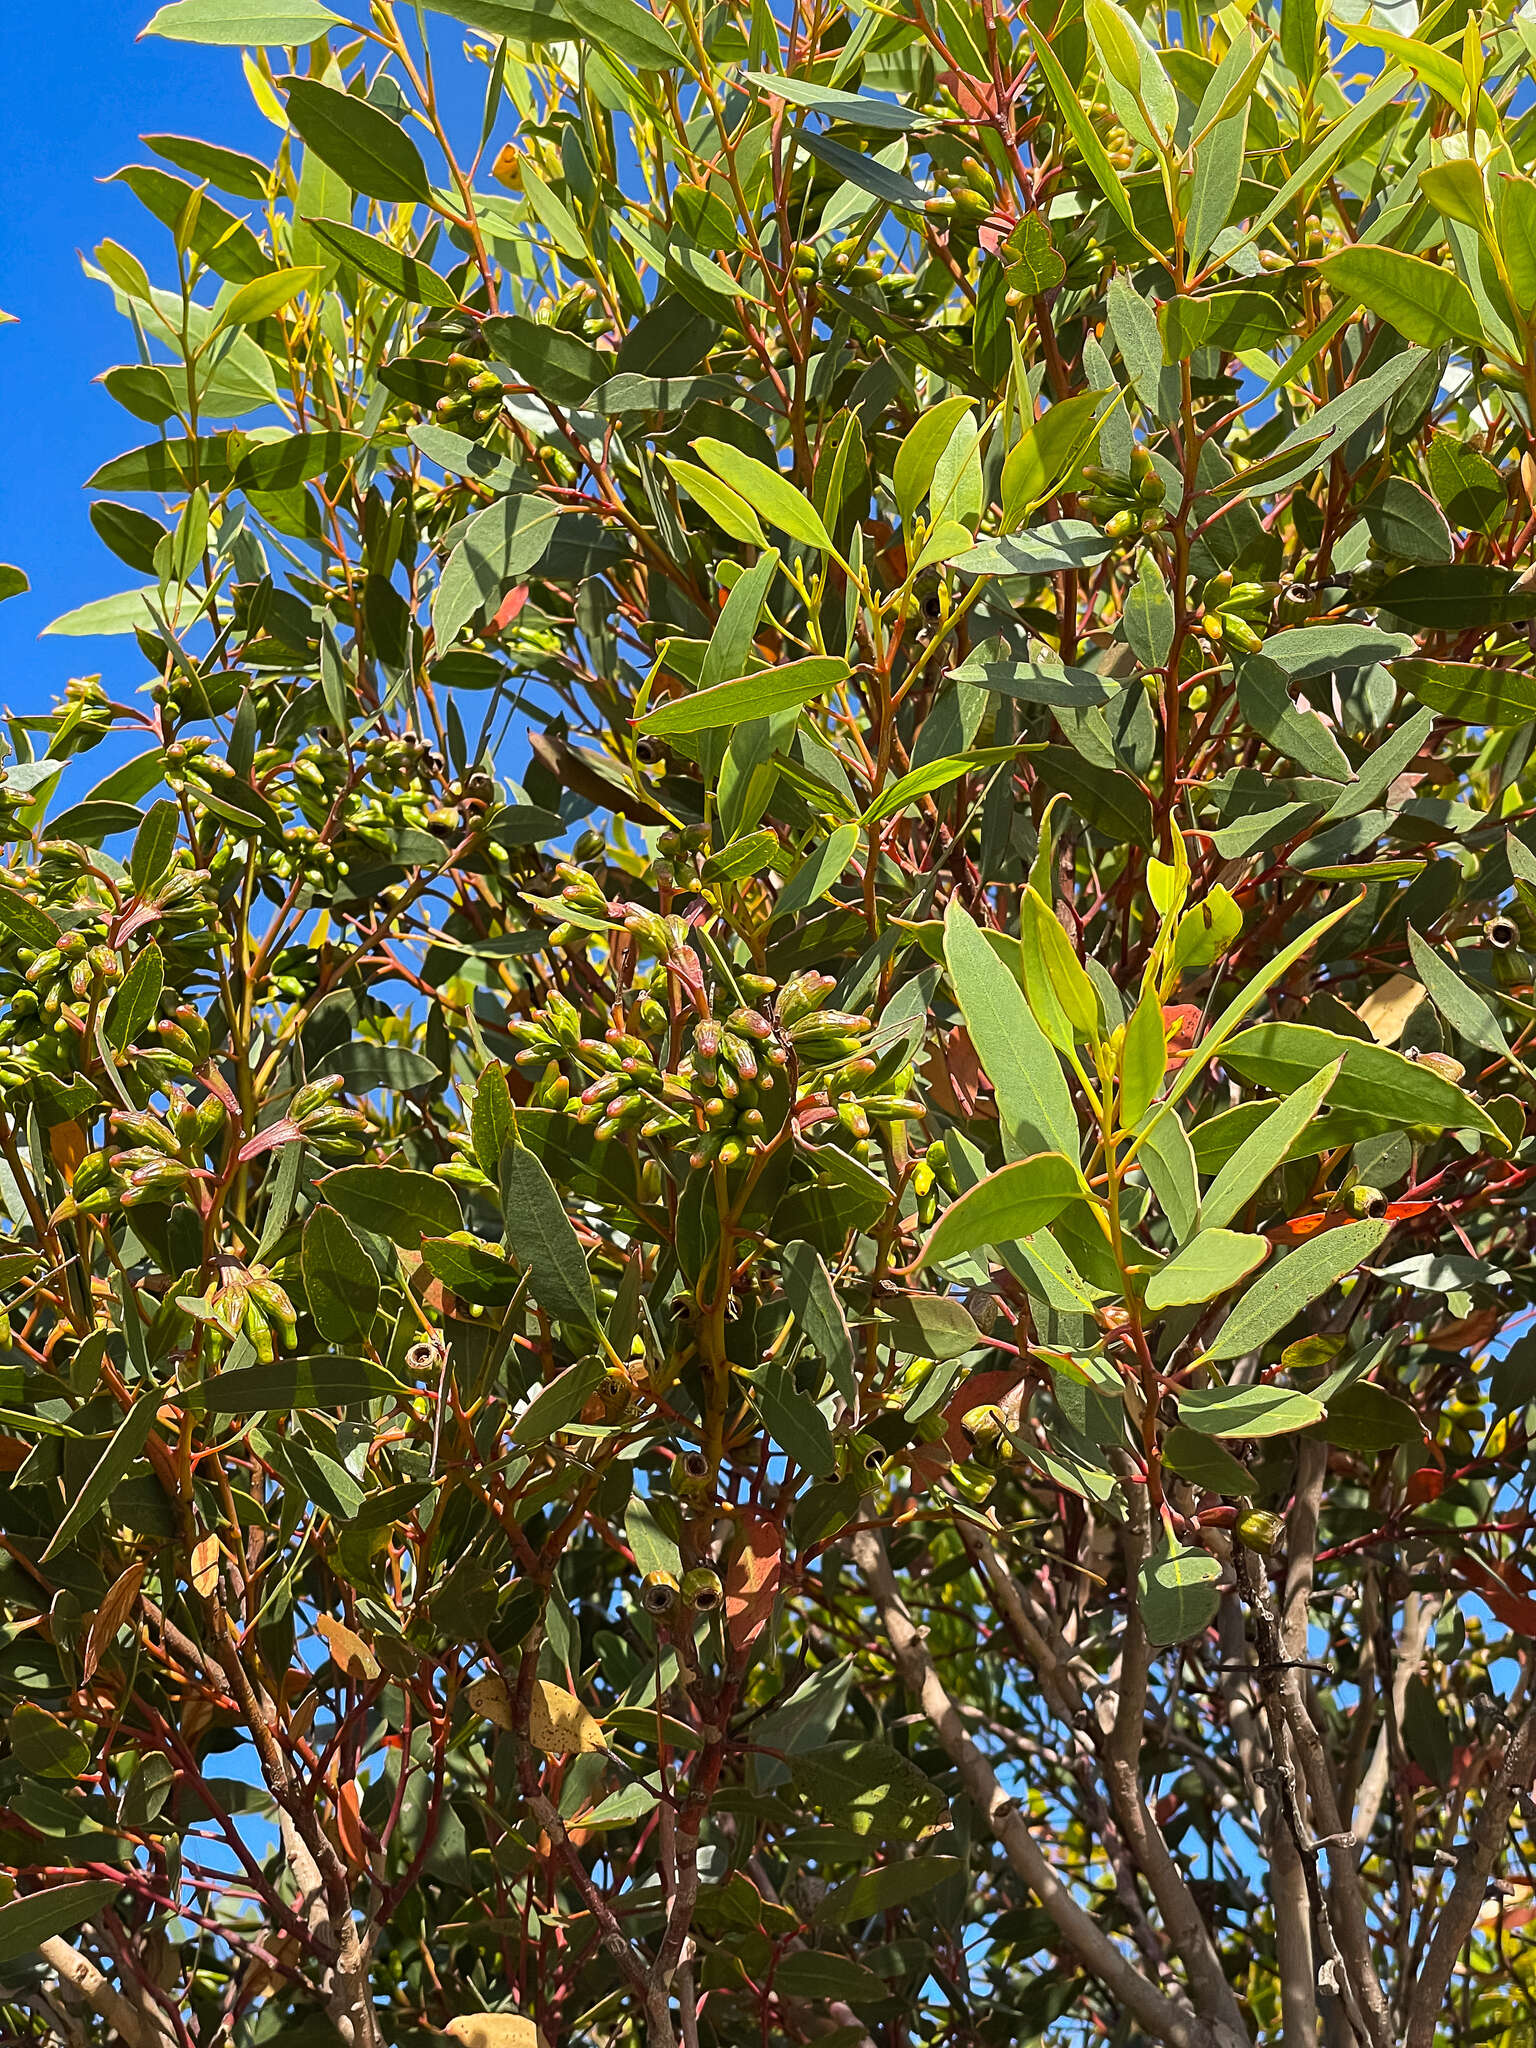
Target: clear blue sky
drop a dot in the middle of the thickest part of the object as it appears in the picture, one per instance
(81, 92)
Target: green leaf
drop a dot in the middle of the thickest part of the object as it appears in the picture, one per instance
(297, 1386)
(1208, 1265)
(1031, 259)
(1070, 106)
(1469, 489)
(1166, 1157)
(1405, 521)
(1061, 994)
(242, 21)
(1113, 803)
(340, 1284)
(784, 688)
(631, 32)
(796, 1424)
(26, 920)
(808, 1289)
(730, 512)
(870, 1790)
(1148, 615)
(394, 1202)
(1470, 691)
(859, 110)
(1202, 1461)
(230, 169)
(25, 1922)
(386, 265)
(1264, 695)
(1143, 1059)
(264, 296)
(650, 1528)
(13, 581)
(1463, 1009)
(1012, 1203)
(1176, 1592)
(358, 141)
(110, 1470)
(1285, 1289)
(558, 365)
(768, 490)
(918, 456)
(1456, 597)
(1423, 302)
(1033, 1099)
(819, 872)
(1248, 1411)
(136, 999)
(220, 237)
(1514, 223)
(1228, 320)
(561, 1401)
(1266, 1148)
(1047, 453)
(928, 1326)
(884, 1889)
(1040, 551)
(542, 1237)
(500, 546)
(153, 845)
(1366, 1418)
(821, 1974)
(743, 857)
(932, 775)
(1373, 1079)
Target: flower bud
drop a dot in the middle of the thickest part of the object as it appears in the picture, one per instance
(1259, 1529)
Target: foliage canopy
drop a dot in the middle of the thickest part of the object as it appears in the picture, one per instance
(764, 1128)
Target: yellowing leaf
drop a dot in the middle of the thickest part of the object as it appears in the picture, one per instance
(347, 1648)
(491, 1698)
(205, 1565)
(495, 2030)
(559, 1724)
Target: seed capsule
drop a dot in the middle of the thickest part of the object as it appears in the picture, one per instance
(701, 1590)
(658, 1593)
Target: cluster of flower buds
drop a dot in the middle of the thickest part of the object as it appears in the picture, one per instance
(1107, 125)
(967, 199)
(472, 403)
(1128, 506)
(151, 1158)
(932, 1172)
(58, 990)
(678, 853)
(728, 1089)
(986, 1434)
(1229, 611)
(699, 1591)
(581, 893)
(334, 1129)
(247, 1299)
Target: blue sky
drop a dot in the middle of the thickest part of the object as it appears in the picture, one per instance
(82, 92)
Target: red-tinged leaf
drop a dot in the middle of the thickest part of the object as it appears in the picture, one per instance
(753, 1580)
(283, 1132)
(1425, 1485)
(511, 605)
(1181, 1023)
